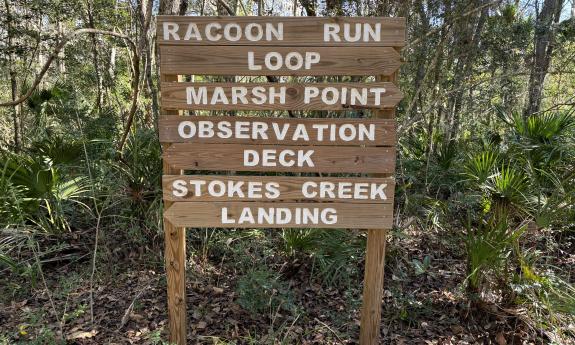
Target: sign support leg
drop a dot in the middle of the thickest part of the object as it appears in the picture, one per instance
(373, 286)
(175, 256)
(374, 262)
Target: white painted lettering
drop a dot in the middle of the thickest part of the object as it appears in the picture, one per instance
(179, 188)
(225, 218)
(347, 32)
(192, 32)
(236, 36)
(249, 31)
(309, 93)
(330, 31)
(171, 29)
(300, 133)
(251, 158)
(209, 34)
(186, 129)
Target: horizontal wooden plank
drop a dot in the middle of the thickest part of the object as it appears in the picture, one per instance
(326, 159)
(203, 188)
(279, 96)
(290, 131)
(281, 31)
(280, 215)
(286, 61)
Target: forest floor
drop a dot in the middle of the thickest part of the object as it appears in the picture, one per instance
(424, 301)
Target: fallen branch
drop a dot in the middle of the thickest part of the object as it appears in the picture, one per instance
(128, 311)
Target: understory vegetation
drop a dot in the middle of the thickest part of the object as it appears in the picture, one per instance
(482, 250)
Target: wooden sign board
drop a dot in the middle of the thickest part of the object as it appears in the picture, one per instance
(281, 31)
(280, 158)
(259, 130)
(212, 188)
(275, 96)
(283, 215)
(289, 61)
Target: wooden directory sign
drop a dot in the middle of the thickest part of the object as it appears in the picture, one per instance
(281, 46)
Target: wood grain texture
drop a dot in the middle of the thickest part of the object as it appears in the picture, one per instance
(373, 285)
(300, 31)
(175, 249)
(174, 96)
(374, 264)
(385, 133)
(326, 159)
(290, 188)
(175, 261)
(228, 60)
(209, 214)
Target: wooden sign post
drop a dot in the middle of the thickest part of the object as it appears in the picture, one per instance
(278, 46)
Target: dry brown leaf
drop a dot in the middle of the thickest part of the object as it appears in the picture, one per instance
(457, 329)
(81, 335)
(500, 339)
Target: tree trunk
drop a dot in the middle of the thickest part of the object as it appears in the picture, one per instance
(469, 47)
(146, 54)
(173, 7)
(544, 41)
(13, 81)
(61, 60)
(309, 6)
(95, 59)
(16, 110)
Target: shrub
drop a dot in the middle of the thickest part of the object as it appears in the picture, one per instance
(261, 290)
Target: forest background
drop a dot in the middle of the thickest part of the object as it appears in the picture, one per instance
(483, 245)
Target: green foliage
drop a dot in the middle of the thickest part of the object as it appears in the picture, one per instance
(546, 128)
(548, 298)
(509, 13)
(11, 198)
(60, 150)
(421, 267)
(140, 168)
(300, 240)
(332, 251)
(480, 167)
(11, 242)
(45, 191)
(519, 180)
(262, 291)
(446, 155)
(507, 188)
(488, 248)
(333, 258)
